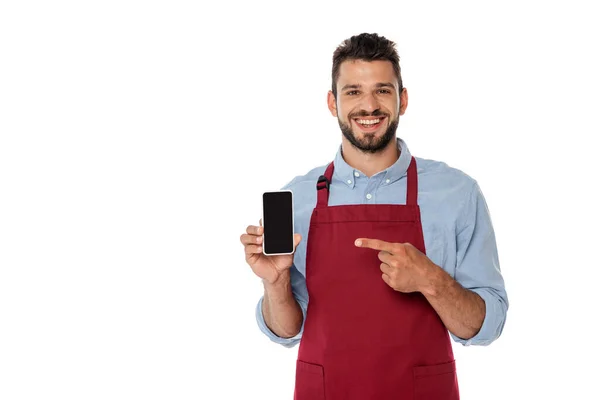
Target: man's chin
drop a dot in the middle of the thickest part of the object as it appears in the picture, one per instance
(369, 135)
(369, 142)
(375, 135)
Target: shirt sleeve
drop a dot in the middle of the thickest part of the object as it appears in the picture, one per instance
(300, 293)
(478, 267)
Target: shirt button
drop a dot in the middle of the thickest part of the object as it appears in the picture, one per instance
(349, 182)
(356, 174)
(387, 181)
(369, 196)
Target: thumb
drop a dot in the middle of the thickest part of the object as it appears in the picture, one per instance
(297, 239)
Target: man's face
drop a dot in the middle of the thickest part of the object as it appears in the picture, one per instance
(368, 103)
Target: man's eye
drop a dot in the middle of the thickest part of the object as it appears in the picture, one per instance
(352, 93)
(384, 91)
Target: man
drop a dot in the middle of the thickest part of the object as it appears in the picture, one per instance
(397, 252)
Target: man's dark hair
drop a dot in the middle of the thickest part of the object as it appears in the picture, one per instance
(366, 47)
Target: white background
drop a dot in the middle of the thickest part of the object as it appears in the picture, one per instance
(137, 137)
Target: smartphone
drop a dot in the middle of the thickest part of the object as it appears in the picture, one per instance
(278, 222)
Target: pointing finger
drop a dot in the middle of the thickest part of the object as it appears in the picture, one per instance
(374, 244)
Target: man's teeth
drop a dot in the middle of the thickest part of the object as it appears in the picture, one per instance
(368, 121)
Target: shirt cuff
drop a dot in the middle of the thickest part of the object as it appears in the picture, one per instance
(286, 342)
(493, 323)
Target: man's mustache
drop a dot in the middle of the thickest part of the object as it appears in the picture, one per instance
(363, 113)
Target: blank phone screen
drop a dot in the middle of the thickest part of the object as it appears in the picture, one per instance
(278, 222)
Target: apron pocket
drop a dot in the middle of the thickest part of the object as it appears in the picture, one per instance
(436, 382)
(310, 384)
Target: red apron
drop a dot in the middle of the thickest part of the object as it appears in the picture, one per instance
(363, 340)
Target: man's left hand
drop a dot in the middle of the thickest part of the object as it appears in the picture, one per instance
(404, 268)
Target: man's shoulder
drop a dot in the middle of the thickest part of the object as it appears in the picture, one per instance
(307, 180)
(304, 188)
(441, 174)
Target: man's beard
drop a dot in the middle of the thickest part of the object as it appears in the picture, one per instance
(370, 143)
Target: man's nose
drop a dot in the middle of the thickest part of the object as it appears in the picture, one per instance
(370, 103)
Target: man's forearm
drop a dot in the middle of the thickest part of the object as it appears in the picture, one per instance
(281, 311)
(461, 310)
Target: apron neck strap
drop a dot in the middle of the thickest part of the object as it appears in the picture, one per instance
(412, 189)
(323, 186)
(412, 184)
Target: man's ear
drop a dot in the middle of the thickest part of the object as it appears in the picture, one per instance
(331, 103)
(403, 101)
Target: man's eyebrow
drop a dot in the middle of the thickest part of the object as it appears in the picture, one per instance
(385, 84)
(346, 87)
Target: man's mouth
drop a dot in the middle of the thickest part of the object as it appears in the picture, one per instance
(369, 124)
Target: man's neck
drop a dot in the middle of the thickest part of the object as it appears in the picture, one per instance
(370, 163)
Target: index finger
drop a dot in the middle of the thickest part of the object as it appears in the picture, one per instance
(374, 244)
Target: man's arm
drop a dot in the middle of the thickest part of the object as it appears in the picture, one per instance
(269, 317)
(473, 303)
(282, 313)
(462, 311)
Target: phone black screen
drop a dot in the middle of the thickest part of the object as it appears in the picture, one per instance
(278, 222)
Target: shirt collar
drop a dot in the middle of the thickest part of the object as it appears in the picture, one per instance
(347, 174)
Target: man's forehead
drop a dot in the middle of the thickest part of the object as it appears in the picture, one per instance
(353, 71)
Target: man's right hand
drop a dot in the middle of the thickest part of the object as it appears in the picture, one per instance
(268, 268)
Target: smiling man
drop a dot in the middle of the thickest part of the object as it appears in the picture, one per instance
(397, 254)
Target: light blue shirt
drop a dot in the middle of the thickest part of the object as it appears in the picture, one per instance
(457, 229)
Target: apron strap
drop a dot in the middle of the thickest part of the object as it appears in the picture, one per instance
(323, 187)
(412, 186)
(324, 181)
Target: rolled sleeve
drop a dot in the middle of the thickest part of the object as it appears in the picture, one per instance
(478, 268)
(286, 342)
(493, 323)
(300, 293)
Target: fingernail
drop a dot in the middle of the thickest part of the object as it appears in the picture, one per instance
(358, 242)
